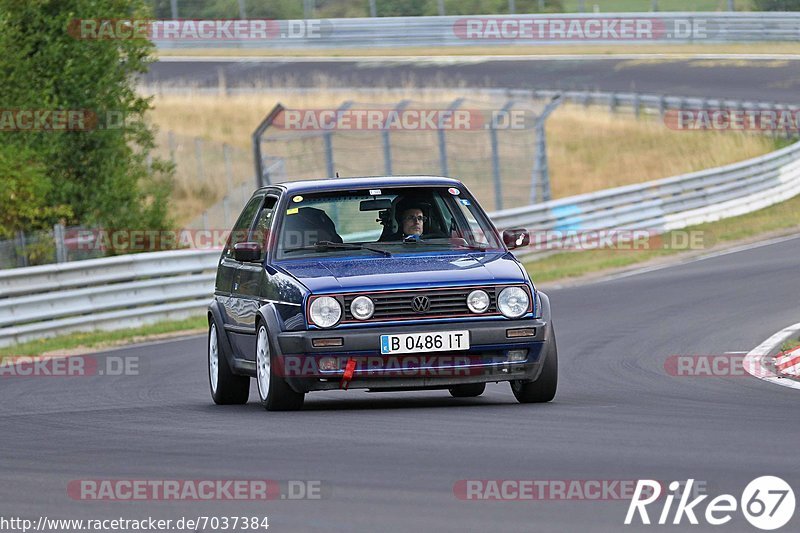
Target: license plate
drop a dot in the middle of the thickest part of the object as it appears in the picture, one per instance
(443, 341)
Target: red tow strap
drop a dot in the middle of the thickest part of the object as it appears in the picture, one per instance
(348, 373)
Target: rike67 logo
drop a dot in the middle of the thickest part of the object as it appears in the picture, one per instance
(767, 503)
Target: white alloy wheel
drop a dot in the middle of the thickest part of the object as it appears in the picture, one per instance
(263, 363)
(213, 358)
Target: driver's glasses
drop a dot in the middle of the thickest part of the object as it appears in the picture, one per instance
(416, 218)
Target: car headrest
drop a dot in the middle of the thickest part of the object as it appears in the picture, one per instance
(309, 226)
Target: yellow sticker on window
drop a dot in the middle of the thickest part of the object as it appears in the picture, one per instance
(292, 211)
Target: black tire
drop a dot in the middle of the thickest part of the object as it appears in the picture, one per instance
(278, 396)
(227, 388)
(543, 389)
(469, 390)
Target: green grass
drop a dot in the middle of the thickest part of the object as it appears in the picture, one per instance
(104, 339)
(789, 345)
(565, 265)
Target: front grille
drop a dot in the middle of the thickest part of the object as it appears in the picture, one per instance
(397, 305)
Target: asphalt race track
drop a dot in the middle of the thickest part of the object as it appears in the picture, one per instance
(764, 79)
(389, 462)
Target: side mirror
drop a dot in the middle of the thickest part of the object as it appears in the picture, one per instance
(516, 238)
(247, 252)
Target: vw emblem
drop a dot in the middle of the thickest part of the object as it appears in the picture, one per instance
(421, 304)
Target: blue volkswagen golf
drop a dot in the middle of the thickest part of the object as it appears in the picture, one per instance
(379, 283)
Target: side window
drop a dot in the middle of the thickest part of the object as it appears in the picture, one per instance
(261, 231)
(240, 230)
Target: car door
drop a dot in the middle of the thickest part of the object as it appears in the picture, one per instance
(251, 281)
(229, 266)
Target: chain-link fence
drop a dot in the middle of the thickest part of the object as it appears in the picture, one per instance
(497, 147)
(209, 175)
(57, 245)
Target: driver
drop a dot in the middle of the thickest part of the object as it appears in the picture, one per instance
(411, 219)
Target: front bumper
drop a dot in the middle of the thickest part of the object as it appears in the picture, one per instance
(487, 359)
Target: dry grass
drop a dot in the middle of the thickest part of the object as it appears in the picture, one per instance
(588, 148)
(594, 149)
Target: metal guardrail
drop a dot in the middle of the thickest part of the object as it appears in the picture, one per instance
(126, 291)
(108, 293)
(482, 30)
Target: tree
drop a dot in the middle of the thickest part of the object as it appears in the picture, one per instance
(97, 173)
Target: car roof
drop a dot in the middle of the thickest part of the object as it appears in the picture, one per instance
(366, 181)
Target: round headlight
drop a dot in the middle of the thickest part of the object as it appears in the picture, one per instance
(478, 301)
(362, 308)
(513, 302)
(325, 311)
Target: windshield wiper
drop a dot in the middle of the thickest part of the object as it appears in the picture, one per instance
(324, 246)
(440, 241)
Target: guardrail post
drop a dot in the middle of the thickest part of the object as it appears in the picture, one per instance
(198, 155)
(654, 5)
(173, 4)
(541, 171)
(58, 238)
(387, 145)
(443, 141)
(242, 9)
(171, 142)
(226, 154)
(636, 105)
(612, 103)
(22, 253)
(327, 138)
(498, 184)
(662, 105)
(255, 138)
(512, 7)
(581, 6)
(226, 211)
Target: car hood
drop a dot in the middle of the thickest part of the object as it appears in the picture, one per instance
(397, 272)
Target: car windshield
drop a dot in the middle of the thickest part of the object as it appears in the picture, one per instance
(387, 221)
